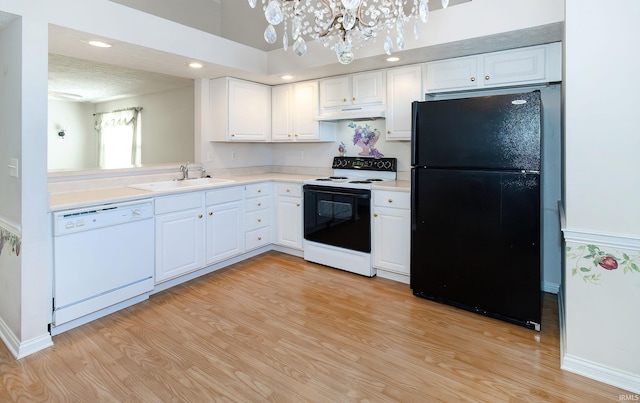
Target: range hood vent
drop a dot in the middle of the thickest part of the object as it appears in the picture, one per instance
(353, 113)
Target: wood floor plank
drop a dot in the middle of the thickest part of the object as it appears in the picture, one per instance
(277, 328)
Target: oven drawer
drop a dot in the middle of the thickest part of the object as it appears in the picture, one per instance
(257, 219)
(385, 198)
(258, 238)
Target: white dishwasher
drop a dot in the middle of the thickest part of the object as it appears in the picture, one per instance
(103, 261)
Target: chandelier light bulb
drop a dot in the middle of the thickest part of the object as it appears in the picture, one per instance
(342, 25)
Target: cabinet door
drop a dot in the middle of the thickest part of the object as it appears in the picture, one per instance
(368, 88)
(289, 228)
(335, 92)
(404, 85)
(391, 239)
(179, 243)
(249, 111)
(281, 112)
(225, 231)
(515, 67)
(453, 74)
(305, 111)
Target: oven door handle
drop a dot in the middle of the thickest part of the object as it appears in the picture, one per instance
(332, 192)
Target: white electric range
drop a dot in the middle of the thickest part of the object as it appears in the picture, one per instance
(337, 213)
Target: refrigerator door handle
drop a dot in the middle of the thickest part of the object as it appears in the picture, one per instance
(529, 171)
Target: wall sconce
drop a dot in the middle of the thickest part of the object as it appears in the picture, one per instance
(61, 134)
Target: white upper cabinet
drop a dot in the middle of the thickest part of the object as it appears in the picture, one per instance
(356, 89)
(404, 85)
(295, 109)
(240, 110)
(535, 64)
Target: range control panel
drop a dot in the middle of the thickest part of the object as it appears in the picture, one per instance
(365, 163)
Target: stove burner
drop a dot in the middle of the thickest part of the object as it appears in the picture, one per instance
(324, 179)
(337, 177)
(374, 179)
(364, 181)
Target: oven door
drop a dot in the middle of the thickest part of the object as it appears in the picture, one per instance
(338, 216)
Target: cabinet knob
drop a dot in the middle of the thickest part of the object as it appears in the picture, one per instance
(233, 135)
(259, 238)
(199, 215)
(353, 99)
(296, 135)
(288, 135)
(288, 190)
(259, 190)
(259, 204)
(473, 79)
(388, 131)
(210, 213)
(259, 219)
(297, 204)
(375, 214)
(487, 77)
(344, 99)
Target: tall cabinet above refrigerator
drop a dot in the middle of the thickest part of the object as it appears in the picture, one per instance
(475, 240)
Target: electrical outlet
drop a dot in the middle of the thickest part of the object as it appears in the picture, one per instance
(233, 155)
(13, 167)
(209, 156)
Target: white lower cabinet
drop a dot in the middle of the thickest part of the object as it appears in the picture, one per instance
(289, 215)
(180, 234)
(257, 223)
(391, 230)
(224, 234)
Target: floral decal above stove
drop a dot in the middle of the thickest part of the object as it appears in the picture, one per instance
(366, 137)
(9, 239)
(591, 262)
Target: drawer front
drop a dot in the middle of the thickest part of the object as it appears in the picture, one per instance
(258, 238)
(221, 196)
(257, 203)
(257, 219)
(258, 189)
(384, 198)
(288, 189)
(181, 202)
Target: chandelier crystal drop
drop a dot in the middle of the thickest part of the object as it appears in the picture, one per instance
(342, 25)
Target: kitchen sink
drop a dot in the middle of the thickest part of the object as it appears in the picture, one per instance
(181, 184)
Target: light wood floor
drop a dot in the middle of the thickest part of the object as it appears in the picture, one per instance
(276, 328)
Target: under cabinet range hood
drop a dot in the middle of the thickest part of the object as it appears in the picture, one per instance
(352, 113)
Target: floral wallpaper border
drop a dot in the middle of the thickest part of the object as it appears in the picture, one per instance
(10, 239)
(591, 261)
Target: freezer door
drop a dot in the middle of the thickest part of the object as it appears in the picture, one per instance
(475, 241)
(496, 132)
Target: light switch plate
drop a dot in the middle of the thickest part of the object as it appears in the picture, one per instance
(13, 167)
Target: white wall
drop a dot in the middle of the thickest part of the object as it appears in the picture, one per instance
(167, 124)
(79, 147)
(602, 209)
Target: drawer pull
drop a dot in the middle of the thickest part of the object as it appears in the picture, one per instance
(297, 204)
(259, 238)
(259, 219)
(487, 78)
(210, 213)
(375, 214)
(259, 190)
(390, 200)
(199, 215)
(288, 190)
(473, 79)
(259, 204)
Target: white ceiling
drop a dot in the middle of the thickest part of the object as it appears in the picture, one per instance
(79, 69)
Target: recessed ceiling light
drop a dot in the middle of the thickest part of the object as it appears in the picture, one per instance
(287, 77)
(99, 44)
(195, 65)
(393, 59)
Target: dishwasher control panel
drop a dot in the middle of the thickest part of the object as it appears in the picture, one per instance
(85, 219)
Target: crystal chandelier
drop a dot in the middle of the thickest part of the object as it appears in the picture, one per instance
(342, 25)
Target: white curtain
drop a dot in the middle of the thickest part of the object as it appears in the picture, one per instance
(119, 138)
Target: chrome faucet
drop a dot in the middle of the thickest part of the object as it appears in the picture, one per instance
(185, 171)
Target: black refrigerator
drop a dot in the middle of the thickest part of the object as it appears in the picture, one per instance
(475, 208)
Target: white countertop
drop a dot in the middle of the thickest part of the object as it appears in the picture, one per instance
(83, 198)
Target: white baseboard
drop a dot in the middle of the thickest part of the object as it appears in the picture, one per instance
(620, 379)
(18, 349)
(552, 288)
(401, 278)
